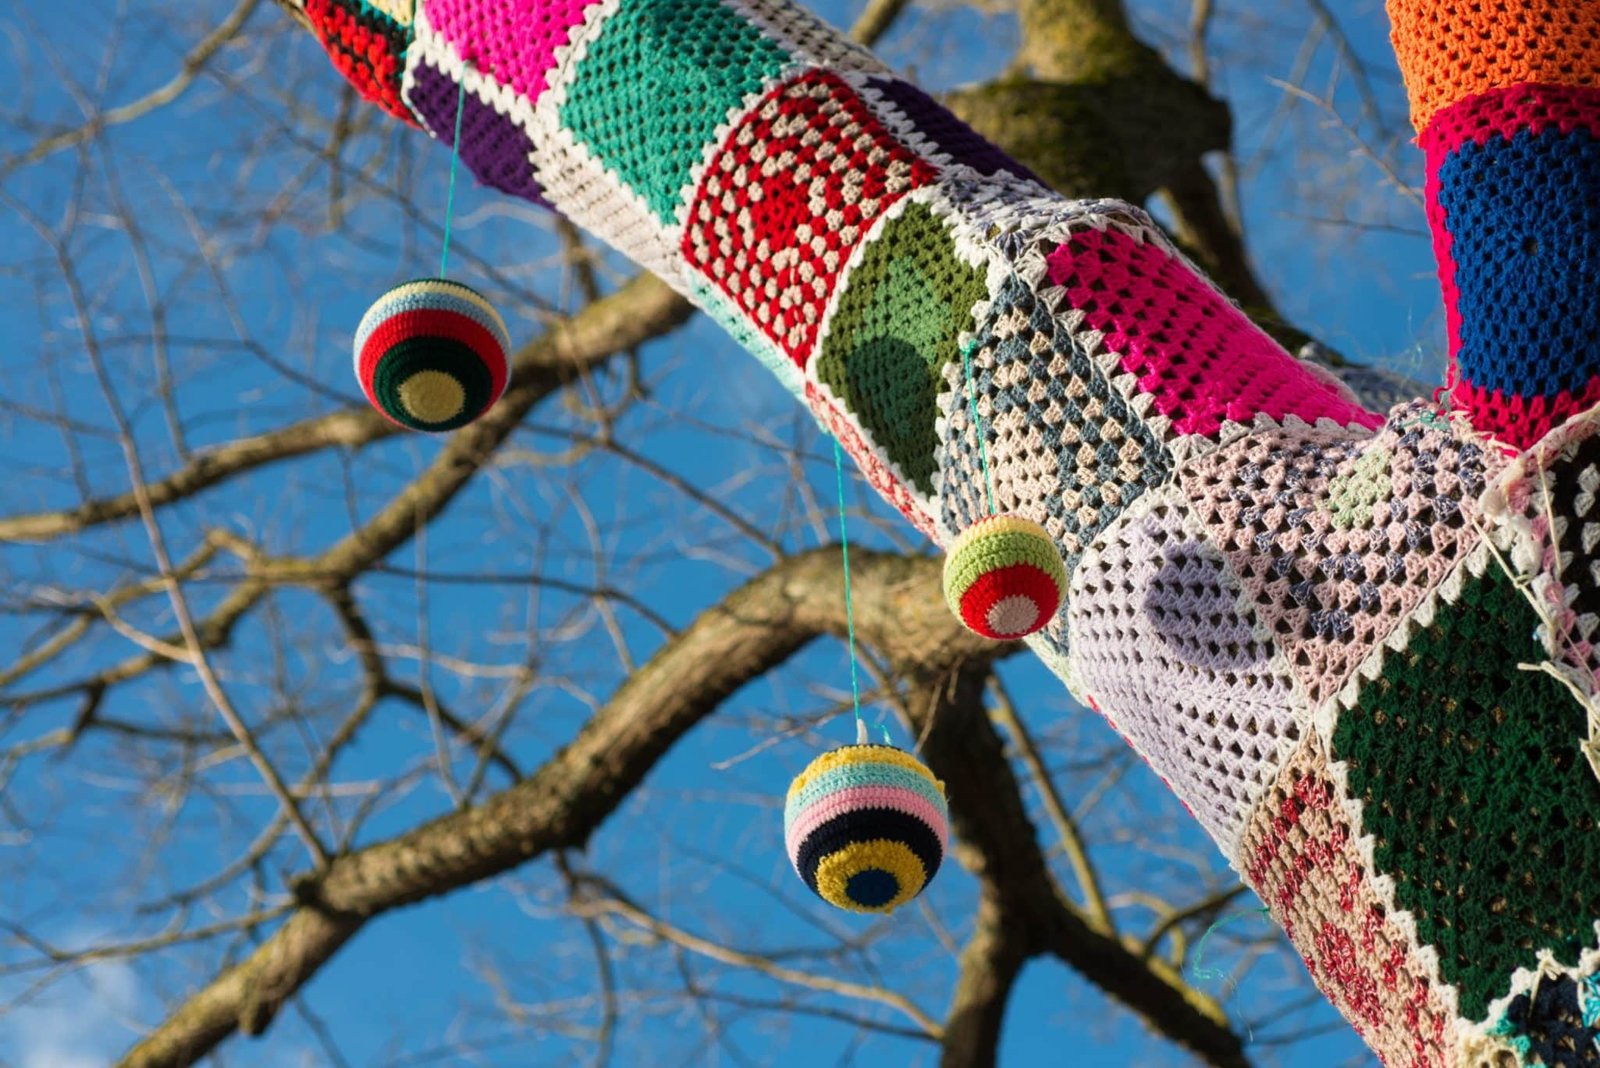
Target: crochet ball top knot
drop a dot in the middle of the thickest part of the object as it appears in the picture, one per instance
(1004, 577)
(866, 827)
(431, 354)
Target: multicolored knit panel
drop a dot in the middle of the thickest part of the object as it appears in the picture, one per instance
(1269, 588)
(1506, 99)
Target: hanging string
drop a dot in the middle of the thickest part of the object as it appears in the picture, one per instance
(977, 423)
(1200, 974)
(455, 160)
(849, 605)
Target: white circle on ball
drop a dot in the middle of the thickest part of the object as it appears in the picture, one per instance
(1013, 615)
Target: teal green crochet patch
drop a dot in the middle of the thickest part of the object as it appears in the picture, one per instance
(652, 89)
(1484, 812)
(895, 327)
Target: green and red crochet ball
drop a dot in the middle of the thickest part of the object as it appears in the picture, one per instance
(432, 354)
(1004, 577)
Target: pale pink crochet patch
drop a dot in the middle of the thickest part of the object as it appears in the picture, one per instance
(1199, 356)
(515, 41)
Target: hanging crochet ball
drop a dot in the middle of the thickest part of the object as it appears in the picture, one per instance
(866, 826)
(431, 354)
(1004, 577)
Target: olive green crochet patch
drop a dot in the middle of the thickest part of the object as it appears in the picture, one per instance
(650, 92)
(894, 329)
(1484, 813)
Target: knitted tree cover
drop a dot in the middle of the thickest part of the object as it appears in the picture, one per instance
(1360, 647)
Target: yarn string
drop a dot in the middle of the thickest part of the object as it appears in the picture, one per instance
(849, 605)
(455, 162)
(977, 422)
(1591, 1003)
(1204, 974)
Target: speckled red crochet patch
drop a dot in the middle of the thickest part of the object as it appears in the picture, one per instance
(789, 196)
(367, 47)
(1300, 854)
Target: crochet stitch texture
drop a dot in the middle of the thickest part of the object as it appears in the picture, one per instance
(1311, 619)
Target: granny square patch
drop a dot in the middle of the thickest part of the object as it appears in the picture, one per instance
(792, 192)
(1063, 446)
(1191, 349)
(513, 41)
(894, 327)
(1336, 541)
(1482, 810)
(367, 46)
(655, 84)
(494, 146)
(1303, 856)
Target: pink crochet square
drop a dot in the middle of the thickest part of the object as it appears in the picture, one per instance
(514, 41)
(1198, 355)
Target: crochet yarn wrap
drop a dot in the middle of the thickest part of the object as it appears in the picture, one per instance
(1310, 618)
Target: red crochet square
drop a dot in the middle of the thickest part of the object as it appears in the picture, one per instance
(367, 47)
(786, 199)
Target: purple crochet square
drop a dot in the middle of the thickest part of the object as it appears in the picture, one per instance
(949, 134)
(493, 146)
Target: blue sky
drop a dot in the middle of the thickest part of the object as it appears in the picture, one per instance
(700, 842)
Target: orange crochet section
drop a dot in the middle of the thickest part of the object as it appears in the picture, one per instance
(1450, 49)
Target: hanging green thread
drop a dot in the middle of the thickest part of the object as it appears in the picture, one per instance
(1200, 974)
(977, 423)
(455, 160)
(849, 606)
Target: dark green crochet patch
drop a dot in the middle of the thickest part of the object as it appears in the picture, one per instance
(653, 87)
(894, 329)
(1485, 813)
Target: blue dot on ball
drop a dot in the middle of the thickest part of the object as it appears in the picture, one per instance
(872, 888)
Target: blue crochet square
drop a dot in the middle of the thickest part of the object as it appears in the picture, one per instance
(1524, 222)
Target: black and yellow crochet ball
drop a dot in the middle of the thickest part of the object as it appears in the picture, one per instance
(866, 827)
(431, 354)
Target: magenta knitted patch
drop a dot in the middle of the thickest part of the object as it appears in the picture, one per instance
(1199, 356)
(514, 41)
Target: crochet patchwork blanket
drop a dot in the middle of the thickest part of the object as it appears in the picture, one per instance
(1360, 646)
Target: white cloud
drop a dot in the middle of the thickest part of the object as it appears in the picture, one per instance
(82, 1022)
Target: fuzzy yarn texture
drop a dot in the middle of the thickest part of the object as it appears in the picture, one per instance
(866, 827)
(431, 354)
(1358, 645)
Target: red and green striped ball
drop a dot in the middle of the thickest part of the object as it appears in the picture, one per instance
(431, 354)
(1004, 578)
(866, 827)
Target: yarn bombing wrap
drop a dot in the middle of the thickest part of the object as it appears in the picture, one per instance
(431, 354)
(1312, 620)
(1506, 100)
(866, 827)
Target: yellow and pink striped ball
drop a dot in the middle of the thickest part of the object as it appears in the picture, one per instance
(866, 827)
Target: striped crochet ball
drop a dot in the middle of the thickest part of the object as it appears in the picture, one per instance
(431, 354)
(1004, 578)
(866, 827)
